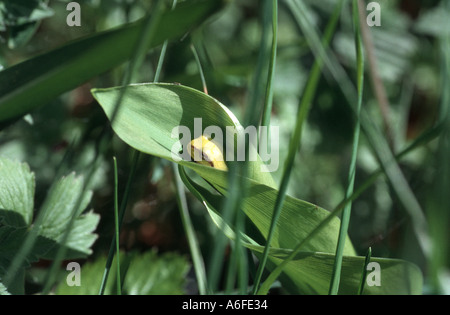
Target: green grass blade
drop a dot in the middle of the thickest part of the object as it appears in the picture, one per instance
(345, 219)
(378, 143)
(39, 80)
(162, 54)
(199, 65)
(237, 190)
(197, 259)
(148, 32)
(437, 210)
(295, 141)
(265, 121)
(364, 271)
(109, 261)
(117, 226)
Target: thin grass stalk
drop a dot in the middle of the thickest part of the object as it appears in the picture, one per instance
(295, 142)
(162, 54)
(424, 139)
(380, 146)
(199, 65)
(117, 226)
(345, 219)
(377, 82)
(237, 189)
(362, 282)
(250, 119)
(438, 214)
(109, 260)
(265, 121)
(197, 260)
(137, 59)
(211, 281)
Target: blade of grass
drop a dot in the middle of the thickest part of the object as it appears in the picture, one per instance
(197, 259)
(438, 214)
(138, 57)
(162, 54)
(117, 226)
(109, 261)
(377, 83)
(199, 65)
(376, 140)
(345, 219)
(421, 140)
(295, 141)
(146, 37)
(237, 190)
(265, 121)
(364, 271)
(251, 120)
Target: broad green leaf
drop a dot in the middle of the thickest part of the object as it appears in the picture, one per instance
(149, 113)
(310, 271)
(296, 221)
(38, 80)
(145, 120)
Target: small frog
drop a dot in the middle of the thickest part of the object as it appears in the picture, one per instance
(204, 151)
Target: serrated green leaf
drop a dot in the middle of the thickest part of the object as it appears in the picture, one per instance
(16, 193)
(3, 290)
(16, 199)
(59, 207)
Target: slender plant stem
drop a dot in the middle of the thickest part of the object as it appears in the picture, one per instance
(265, 121)
(194, 247)
(364, 272)
(117, 226)
(377, 83)
(294, 144)
(421, 140)
(345, 219)
(202, 75)
(134, 163)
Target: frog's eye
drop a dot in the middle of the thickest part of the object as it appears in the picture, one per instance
(204, 151)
